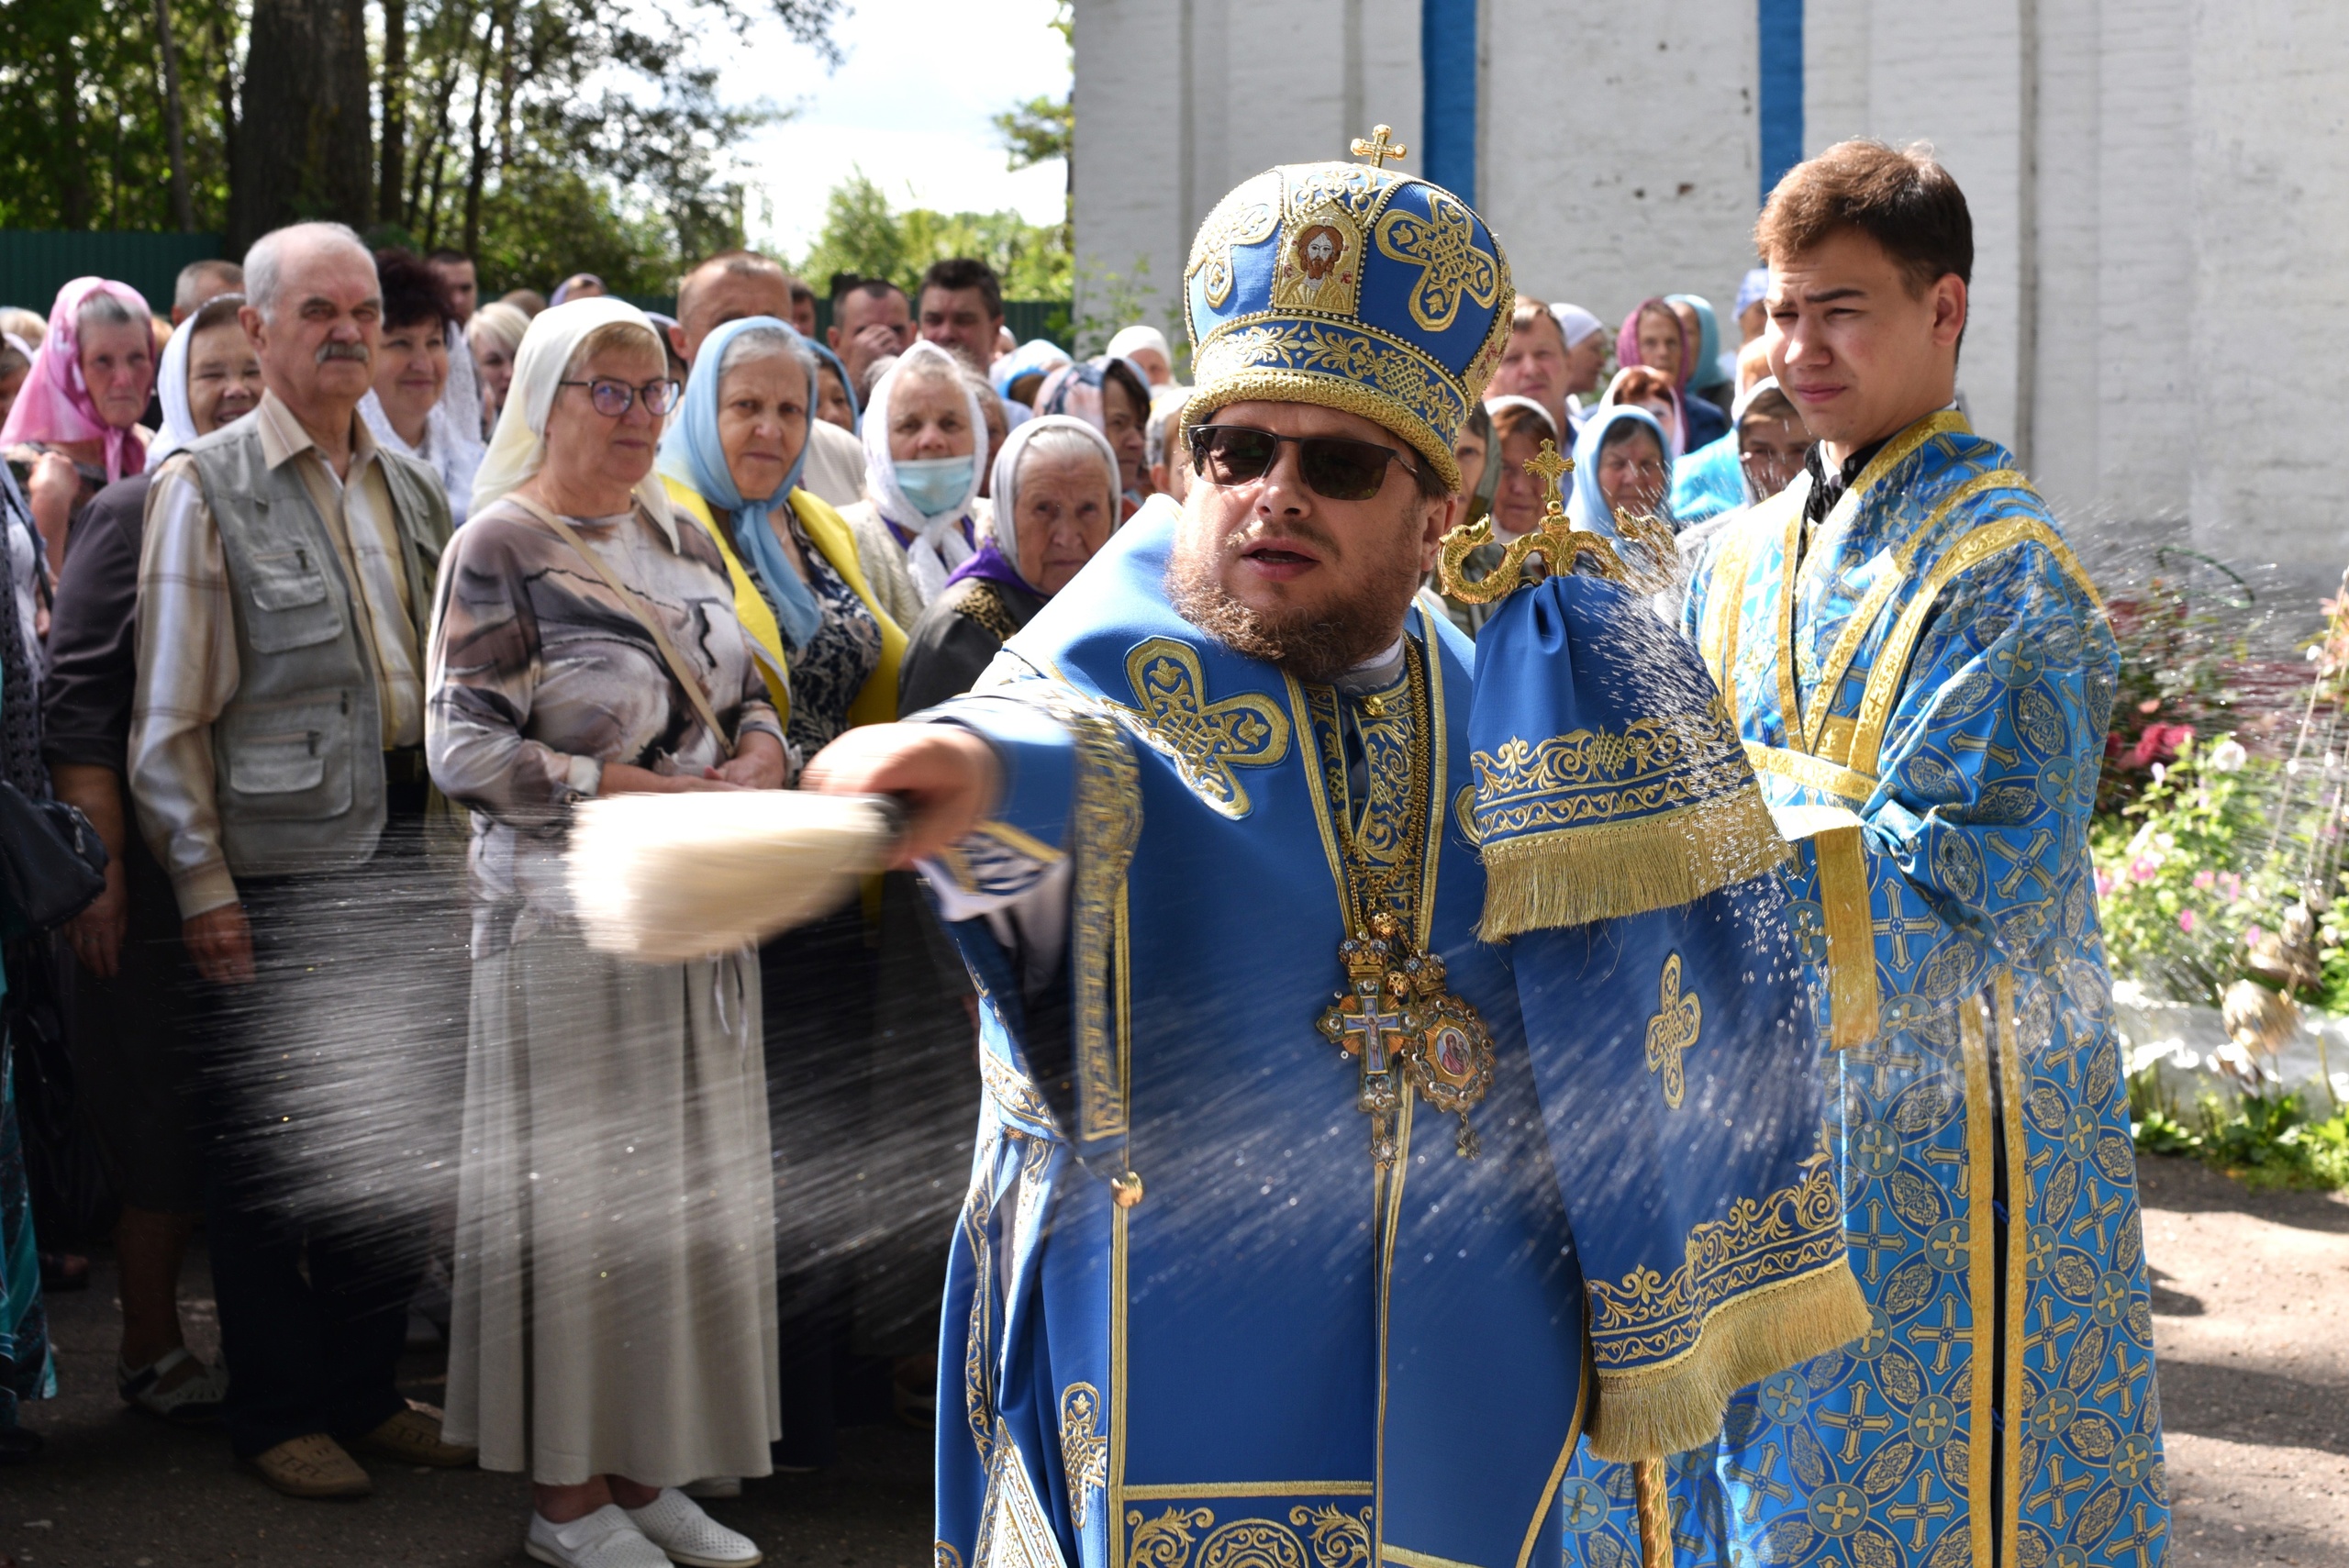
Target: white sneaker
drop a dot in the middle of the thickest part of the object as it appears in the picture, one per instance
(604, 1539)
(674, 1523)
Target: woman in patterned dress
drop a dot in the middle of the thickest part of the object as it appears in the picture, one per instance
(613, 1317)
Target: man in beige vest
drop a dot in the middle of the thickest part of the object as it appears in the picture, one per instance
(276, 761)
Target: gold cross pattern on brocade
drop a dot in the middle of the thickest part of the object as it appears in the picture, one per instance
(1558, 543)
(1377, 148)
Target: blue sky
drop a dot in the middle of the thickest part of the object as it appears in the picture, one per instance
(910, 106)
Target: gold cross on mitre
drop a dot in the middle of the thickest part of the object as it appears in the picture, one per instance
(1377, 148)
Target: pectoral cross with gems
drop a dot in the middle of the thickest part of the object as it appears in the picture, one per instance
(1369, 1021)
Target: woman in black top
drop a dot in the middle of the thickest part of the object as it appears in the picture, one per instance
(126, 1001)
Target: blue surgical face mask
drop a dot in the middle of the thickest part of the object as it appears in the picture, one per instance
(935, 484)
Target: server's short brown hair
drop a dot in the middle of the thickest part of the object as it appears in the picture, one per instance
(1900, 197)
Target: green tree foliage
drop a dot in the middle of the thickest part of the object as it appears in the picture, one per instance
(1044, 128)
(865, 234)
(82, 142)
(546, 136)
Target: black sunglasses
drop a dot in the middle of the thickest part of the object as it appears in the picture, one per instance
(1336, 468)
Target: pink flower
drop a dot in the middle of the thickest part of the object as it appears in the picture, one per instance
(2144, 869)
(2231, 884)
(2255, 935)
(2103, 884)
(2204, 879)
(2185, 921)
(2159, 743)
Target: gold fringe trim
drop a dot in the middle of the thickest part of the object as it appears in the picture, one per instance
(1575, 875)
(1670, 1408)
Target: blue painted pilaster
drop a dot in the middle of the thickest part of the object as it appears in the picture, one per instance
(1781, 83)
(1448, 94)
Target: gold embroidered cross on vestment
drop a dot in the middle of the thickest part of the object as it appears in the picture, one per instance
(1678, 1017)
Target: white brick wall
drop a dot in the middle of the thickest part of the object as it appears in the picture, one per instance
(2191, 198)
(1622, 156)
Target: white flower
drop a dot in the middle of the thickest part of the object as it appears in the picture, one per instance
(2228, 756)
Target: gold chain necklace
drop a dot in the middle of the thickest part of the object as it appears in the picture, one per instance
(1397, 1018)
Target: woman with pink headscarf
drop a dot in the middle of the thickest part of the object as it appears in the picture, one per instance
(1652, 334)
(73, 428)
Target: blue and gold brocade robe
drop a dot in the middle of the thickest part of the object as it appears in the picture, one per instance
(1279, 1355)
(1924, 691)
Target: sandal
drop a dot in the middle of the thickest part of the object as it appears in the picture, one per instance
(194, 1401)
(62, 1271)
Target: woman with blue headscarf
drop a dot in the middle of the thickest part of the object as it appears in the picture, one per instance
(1622, 476)
(1711, 373)
(732, 459)
(1622, 469)
(835, 397)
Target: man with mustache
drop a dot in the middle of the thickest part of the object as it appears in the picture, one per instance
(276, 755)
(1202, 836)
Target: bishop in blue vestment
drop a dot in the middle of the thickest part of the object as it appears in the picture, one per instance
(1306, 1227)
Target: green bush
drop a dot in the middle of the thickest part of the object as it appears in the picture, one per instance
(2263, 1141)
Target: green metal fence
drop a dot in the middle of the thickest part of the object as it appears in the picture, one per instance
(35, 263)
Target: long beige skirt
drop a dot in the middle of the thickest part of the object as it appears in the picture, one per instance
(614, 1306)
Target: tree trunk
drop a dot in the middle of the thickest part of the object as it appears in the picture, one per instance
(174, 119)
(304, 151)
(480, 169)
(395, 152)
(73, 182)
(423, 210)
(227, 86)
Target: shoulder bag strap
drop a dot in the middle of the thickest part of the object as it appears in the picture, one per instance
(635, 607)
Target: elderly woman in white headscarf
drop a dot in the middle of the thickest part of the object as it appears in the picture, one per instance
(925, 435)
(1057, 502)
(613, 1317)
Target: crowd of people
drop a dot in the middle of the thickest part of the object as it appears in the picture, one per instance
(340, 565)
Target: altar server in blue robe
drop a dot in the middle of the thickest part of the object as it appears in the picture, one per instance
(1306, 1228)
(1921, 673)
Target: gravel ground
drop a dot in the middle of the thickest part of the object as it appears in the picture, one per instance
(2251, 1320)
(117, 1489)
(2251, 1328)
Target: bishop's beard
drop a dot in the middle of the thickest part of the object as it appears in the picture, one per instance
(1316, 645)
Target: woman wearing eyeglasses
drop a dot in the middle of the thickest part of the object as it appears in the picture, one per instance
(613, 1319)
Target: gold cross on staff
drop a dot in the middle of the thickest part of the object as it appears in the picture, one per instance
(1549, 468)
(1377, 148)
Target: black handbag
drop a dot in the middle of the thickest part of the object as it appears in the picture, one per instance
(52, 863)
